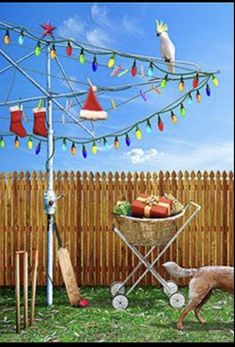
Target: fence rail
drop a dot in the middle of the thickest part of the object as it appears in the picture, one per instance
(84, 219)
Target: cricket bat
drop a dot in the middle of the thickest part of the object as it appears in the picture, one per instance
(67, 271)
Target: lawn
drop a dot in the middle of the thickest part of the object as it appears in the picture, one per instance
(148, 318)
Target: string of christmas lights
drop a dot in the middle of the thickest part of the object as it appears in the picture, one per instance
(70, 45)
(123, 132)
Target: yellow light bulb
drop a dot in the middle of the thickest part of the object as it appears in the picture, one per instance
(181, 86)
(116, 143)
(7, 38)
(30, 143)
(94, 148)
(53, 52)
(73, 149)
(111, 61)
(173, 118)
(138, 133)
(17, 142)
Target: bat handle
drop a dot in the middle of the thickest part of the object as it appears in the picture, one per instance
(55, 227)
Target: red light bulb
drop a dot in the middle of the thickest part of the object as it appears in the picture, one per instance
(134, 69)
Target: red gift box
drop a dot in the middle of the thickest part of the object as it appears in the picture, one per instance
(151, 206)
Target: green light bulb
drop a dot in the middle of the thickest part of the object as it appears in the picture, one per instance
(182, 110)
(82, 57)
(164, 82)
(37, 50)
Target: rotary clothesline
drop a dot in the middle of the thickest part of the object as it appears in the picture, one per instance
(162, 82)
(199, 79)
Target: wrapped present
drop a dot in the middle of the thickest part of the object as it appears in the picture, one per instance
(151, 206)
(122, 208)
(177, 207)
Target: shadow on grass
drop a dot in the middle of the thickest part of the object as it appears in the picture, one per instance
(196, 326)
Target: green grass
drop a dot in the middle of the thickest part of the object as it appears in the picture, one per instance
(148, 318)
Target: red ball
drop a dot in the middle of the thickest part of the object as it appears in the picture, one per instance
(84, 303)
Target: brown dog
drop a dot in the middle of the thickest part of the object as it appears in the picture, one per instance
(200, 287)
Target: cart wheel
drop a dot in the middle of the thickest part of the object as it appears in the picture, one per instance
(173, 288)
(120, 302)
(177, 300)
(114, 288)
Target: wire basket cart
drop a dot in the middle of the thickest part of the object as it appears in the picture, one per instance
(149, 232)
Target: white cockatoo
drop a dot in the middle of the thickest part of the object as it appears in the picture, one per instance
(167, 47)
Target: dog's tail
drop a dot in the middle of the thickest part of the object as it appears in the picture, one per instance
(175, 270)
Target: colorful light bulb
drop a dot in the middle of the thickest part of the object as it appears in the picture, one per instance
(2, 142)
(82, 57)
(111, 61)
(198, 96)
(30, 143)
(190, 98)
(208, 90)
(173, 117)
(182, 110)
(38, 148)
(138, 133)
(38, 49)
(64, 145)
(116, 143)
(7, 38)
(150, 70)
(181, 85)
(160, 124)
(195, 81)
(105, 142)
(17, 142)
(164, 82)
(21, 38)
(149, 127)
(73, 149)
(134, 69)
(128, 140)
(84, 152)
(69, 49)
(94, 148)
(53, 52)
(215, 81)
(94, 64)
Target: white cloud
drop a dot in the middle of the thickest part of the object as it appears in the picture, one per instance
(100, 16)
(130, 27)
(98, 37)
(139, 156)
(206, 156)
(72, 27)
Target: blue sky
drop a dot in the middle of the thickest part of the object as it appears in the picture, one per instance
(202, 33)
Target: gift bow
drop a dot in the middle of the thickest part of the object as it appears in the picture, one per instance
(149, 202)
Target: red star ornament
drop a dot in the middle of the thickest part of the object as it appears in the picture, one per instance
(48, 29)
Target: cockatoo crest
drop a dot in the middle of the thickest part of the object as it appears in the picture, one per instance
(161, 27)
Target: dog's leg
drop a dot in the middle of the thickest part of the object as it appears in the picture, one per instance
(191, 305)
(198, 290)
(197, 309)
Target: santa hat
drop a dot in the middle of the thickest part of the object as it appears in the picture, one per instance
(92, 109)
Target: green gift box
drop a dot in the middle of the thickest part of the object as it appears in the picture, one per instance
(122, 208)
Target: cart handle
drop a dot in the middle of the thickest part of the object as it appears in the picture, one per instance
(194, 204)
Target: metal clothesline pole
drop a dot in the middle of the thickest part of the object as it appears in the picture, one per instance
(50, 185)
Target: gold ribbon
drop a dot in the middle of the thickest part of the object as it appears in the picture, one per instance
(150, 201)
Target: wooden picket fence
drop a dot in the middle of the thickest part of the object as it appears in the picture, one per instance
(84, 218)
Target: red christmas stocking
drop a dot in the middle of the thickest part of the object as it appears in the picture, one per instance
(16, 122)
(39, 127)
